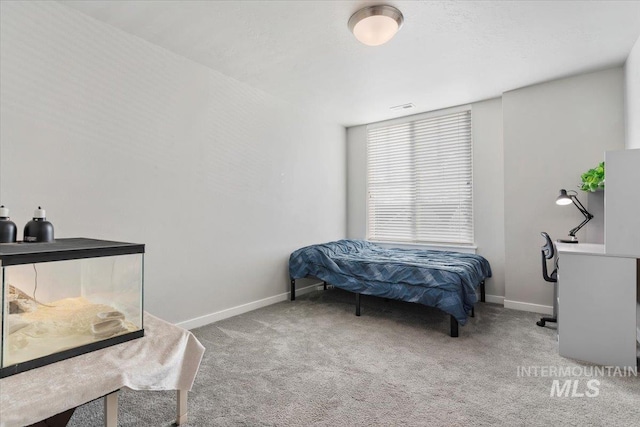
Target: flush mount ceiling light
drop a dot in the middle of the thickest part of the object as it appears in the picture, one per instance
(375, 25)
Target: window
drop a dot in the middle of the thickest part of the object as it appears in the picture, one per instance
(419, 180)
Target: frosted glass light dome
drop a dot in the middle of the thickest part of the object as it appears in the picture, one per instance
(375, 25)
(563, 198)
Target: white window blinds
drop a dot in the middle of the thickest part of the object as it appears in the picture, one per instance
(419, 179)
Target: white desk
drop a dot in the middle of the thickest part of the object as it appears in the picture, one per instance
(597, 300)
(166, 358)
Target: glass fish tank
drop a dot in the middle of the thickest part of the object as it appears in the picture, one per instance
(66, 298)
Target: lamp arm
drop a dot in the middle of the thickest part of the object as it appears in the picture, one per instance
(574, 230)
(583, 211)
(580, 207)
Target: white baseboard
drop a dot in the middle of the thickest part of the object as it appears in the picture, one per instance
(254, 305)
(527, 306)
(494, 299)
(244, 308)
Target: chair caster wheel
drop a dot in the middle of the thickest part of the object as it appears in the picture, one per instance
(541, 323)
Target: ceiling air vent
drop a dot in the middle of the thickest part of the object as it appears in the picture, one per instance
(403, 107)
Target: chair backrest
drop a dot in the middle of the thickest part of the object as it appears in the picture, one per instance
(547, 248)
(548, 252)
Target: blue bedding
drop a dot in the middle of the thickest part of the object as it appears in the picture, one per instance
(446, 280)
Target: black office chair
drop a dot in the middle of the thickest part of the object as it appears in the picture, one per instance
(547, 253)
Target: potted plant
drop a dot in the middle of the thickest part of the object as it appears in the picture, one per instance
(593, 179)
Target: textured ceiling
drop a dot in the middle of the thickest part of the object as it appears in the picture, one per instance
(447, 53)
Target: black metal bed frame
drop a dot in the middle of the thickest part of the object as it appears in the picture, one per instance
(453, 329)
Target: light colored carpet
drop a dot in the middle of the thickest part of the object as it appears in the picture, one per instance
(312, 362)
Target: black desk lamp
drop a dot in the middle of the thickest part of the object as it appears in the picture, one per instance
(567, 199)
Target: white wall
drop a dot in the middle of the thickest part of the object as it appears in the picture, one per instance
(632, 96)
(120, 139)
(357, 182)
(553, 132)
(488, 188)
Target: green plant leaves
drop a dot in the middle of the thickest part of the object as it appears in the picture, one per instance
(593, 179)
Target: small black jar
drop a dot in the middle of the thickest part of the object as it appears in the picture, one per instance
(38, 229)
(8, 229)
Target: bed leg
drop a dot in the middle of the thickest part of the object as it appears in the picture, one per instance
(473, 312)
(482, 294)
(293, 289)
(454, 327)
(325, 285)
(357, 304)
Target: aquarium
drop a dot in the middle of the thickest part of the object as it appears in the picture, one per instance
(68, 297)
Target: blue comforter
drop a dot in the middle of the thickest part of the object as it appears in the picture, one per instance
(446, 280)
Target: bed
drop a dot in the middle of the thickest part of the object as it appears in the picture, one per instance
(445, 280)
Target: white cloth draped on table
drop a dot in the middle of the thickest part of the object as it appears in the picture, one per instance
(166, 358)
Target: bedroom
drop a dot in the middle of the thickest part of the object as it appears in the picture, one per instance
(207, 135)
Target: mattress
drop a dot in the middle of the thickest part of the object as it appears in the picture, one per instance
(446, 280)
